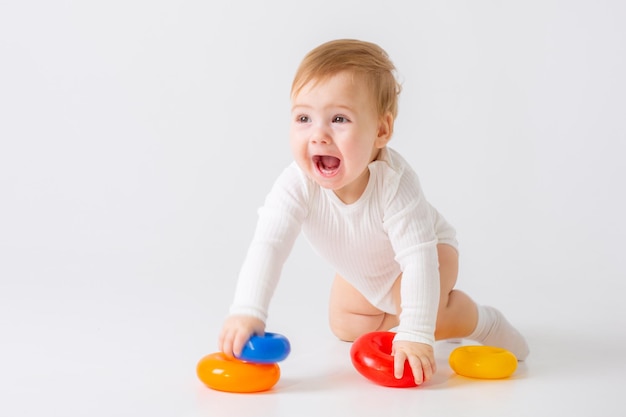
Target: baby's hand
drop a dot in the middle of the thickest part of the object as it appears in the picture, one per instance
(421, 358)
(236, 331)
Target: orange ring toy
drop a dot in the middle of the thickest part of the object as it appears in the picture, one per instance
(484, 362)
(223, 373)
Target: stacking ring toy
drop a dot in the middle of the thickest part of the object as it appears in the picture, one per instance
(485, 362)
(371, 356)
(270, 348)
(223, 373)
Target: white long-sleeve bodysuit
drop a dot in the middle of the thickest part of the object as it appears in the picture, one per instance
(390, 230)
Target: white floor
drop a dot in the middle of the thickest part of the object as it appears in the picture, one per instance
(94, 335)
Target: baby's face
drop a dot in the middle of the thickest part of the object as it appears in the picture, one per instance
(336, 132)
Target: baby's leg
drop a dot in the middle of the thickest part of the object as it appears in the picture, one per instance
(460, 317)
(351, 315)
(457, 315)
(493, 329)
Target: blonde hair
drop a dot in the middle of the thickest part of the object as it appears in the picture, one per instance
(363, 59)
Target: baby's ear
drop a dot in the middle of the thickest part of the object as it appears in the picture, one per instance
(385, 130)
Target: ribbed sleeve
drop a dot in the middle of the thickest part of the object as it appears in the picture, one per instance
(279, 223)
(411, 230)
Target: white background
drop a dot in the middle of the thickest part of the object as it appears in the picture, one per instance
(138, 138)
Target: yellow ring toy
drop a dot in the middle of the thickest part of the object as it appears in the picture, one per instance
(485, 362)
(223, 373)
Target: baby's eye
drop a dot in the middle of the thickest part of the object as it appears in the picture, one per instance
(303, 118)
(340, 119)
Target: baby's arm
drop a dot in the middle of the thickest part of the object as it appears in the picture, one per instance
(277, 227)
(409, 222)
(416, 331)
(236, 331)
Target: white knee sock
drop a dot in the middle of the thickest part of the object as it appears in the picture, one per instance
(493, 329)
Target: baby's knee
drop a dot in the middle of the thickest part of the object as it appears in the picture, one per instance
(349, 326)
(343, 335)
(342, 330)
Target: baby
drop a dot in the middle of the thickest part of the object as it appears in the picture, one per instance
(362, 208)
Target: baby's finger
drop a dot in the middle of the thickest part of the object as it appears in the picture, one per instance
(220, 341)
(427, 368)
(398, 364)
(417, 367)
(239, 341)
(226, 343)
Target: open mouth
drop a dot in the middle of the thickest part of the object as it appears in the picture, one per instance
(327, 165)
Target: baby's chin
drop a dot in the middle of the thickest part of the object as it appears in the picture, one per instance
(329, 183)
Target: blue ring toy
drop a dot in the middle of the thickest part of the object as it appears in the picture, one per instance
(270, 348)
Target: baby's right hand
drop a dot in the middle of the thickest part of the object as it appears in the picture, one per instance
(236, 331)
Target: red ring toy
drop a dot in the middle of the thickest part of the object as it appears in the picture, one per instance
(371, 356)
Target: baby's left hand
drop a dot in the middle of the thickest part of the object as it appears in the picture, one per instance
(421, 358)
